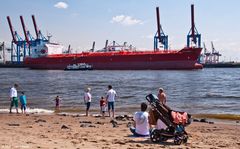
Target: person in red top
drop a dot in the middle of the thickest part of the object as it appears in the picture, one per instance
(103, 107)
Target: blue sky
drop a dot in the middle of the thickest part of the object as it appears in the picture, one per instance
(80, 22)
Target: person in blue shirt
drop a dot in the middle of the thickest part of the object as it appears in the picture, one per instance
(23, 101)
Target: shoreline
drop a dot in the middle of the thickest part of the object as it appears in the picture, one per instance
(227, 118)
(77, 131)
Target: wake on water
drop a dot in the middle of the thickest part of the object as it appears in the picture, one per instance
(29, 110)
(214, 95)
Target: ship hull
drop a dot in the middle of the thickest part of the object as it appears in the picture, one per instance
(184, 59)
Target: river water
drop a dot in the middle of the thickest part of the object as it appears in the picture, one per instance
(207, 91)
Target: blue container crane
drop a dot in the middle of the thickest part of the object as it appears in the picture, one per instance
(17, 43)
(40, 38)
(160, 35)
(193, 35)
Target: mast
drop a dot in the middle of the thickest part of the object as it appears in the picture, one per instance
(93, 46)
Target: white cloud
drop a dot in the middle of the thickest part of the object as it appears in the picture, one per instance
(61, 5)
(125, 20)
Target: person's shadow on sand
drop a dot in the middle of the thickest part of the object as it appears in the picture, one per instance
(146, 140)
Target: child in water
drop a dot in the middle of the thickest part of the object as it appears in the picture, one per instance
(103, 106)
(23, 101)
(57, 103)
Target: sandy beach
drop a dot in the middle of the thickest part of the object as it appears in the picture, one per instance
(75, 131)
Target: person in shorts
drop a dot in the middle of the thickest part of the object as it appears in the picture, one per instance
(103, 106)
(87, 99)
(13, 98)
(111, 94)
(23, 101)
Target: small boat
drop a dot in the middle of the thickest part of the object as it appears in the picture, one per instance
(79, 66)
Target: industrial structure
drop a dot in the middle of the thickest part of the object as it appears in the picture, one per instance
(114, 46)
(118, 57)
(160, 36)
(2, 53)
(193, 37)
(210, 57)
(20, 48)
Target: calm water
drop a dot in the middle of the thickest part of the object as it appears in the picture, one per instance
(207, 91)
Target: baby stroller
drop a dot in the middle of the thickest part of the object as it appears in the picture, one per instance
(175, 122)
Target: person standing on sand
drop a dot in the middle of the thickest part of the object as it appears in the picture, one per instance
(141, 122)
(111, 94)
(13, 98)
(103, 106)
(87, 99)
(23, 101)
(162, 96)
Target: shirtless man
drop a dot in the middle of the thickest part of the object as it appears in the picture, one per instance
(162, 96)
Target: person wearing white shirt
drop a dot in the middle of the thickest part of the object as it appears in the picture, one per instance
(111, 94)
(141, 122)
(87, 99)
(13, 98)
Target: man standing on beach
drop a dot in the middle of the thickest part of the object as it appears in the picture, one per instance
(87, 99)
(13, 98)
(111, 94)
(162, 96)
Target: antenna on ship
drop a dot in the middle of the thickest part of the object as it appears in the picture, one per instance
(193, 35)
(106, 45)
(69, 49)
(48, 36)
(160, 36)
(113, 47)
(93, 47)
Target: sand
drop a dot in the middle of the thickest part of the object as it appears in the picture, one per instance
(74, 131)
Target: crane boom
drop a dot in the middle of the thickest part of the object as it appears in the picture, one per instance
(24, 30)
(193, 24)
(35, 27)
(11, 29)
(158, 24)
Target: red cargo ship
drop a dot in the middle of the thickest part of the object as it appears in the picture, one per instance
(51, 56)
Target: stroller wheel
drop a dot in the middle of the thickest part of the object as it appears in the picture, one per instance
(185, 139)
(154, 136)
(177, 141)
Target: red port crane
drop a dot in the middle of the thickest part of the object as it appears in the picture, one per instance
(160, 36)
(35, 27)
(24, 30)
(11, 30)
(193, 35)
